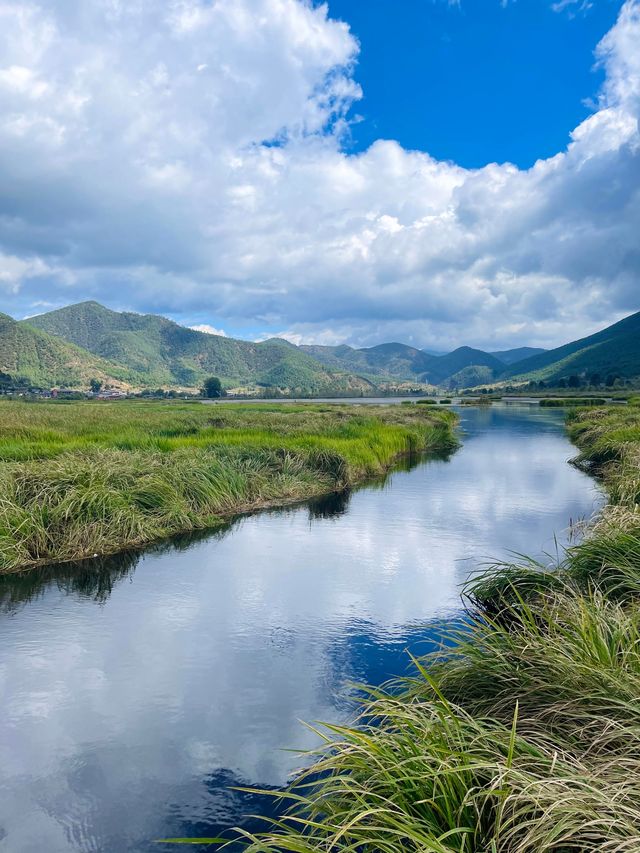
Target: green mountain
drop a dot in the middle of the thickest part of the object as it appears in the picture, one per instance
(385, 361)
(72, 345)
(30, 356)
(156, 352)
(448, 369)
(614, 351)
(510, 356)
(461, 368)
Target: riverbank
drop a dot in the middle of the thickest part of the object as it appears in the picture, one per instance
(523, 734)
(80, 479)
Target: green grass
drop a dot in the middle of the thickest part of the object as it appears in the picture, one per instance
(559, 402)
(476, 401)
(522, 735)
(88, 478)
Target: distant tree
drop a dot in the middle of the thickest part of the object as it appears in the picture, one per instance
(95, 385)
(562, 383)
(542, 384)
(574, 381)
(595, 379)
(610, 381)
(212, 388)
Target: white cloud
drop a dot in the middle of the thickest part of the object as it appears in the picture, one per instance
(14, 271)
(184, 155)
(572, 6)
(209, 330)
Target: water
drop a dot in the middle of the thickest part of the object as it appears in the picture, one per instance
(136, 692)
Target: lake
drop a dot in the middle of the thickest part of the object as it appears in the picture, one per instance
(137, 690)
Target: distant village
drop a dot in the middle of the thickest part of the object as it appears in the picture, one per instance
(62, 393)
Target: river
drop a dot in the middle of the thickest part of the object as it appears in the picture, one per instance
(137, 690)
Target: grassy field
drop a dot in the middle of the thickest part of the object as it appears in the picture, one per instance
(84, 478)
(524, 736)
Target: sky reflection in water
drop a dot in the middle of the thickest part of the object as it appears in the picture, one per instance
(135, 695)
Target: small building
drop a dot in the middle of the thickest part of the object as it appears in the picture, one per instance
(111, 394)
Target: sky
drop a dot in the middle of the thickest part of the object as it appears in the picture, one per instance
(434, 172)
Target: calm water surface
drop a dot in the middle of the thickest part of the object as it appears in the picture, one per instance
(134, 694)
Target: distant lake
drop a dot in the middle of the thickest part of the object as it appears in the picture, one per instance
(135, 691)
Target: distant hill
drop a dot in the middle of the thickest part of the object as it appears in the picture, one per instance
(156, 352)
(32, 357)
(385, 361)
(510, 356)
(613, 351)
(446, 369)
(462, 368)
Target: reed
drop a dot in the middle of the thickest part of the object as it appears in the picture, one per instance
(562, 402)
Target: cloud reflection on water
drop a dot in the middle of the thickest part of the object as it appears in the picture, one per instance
(134, 695)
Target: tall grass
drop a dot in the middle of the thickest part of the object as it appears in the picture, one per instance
(524, 740)
(85, 478)
(561, 402)
(523, 734)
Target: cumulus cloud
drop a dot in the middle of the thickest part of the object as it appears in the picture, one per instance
(209, 330)
(187, 157)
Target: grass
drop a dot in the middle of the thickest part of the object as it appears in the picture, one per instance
(85, 478)
(560, 402)
(523, 734)
(476, 401)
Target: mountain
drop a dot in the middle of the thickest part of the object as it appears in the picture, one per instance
(461, 368)
(448, 369)
(30, 356)
(510, 356)
(152, 351)
(386, 361)
(74, 344)
(613, 351)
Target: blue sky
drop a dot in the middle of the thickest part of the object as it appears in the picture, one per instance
(425, 171)
(475, 82)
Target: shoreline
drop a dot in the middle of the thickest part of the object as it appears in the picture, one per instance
(101, 499)
(229, 516)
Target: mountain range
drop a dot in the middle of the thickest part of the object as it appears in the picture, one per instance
(72, 345)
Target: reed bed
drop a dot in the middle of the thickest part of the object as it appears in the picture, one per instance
(564, 402)
(84, 479)
(522, 735)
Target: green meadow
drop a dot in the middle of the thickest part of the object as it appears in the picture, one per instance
(522, 735)
(80, 479)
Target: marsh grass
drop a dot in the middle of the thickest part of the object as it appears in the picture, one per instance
(562, 402)
(522, 735)
(90, 478)
(524, 740)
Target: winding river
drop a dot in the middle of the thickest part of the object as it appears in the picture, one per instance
(136, 691)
